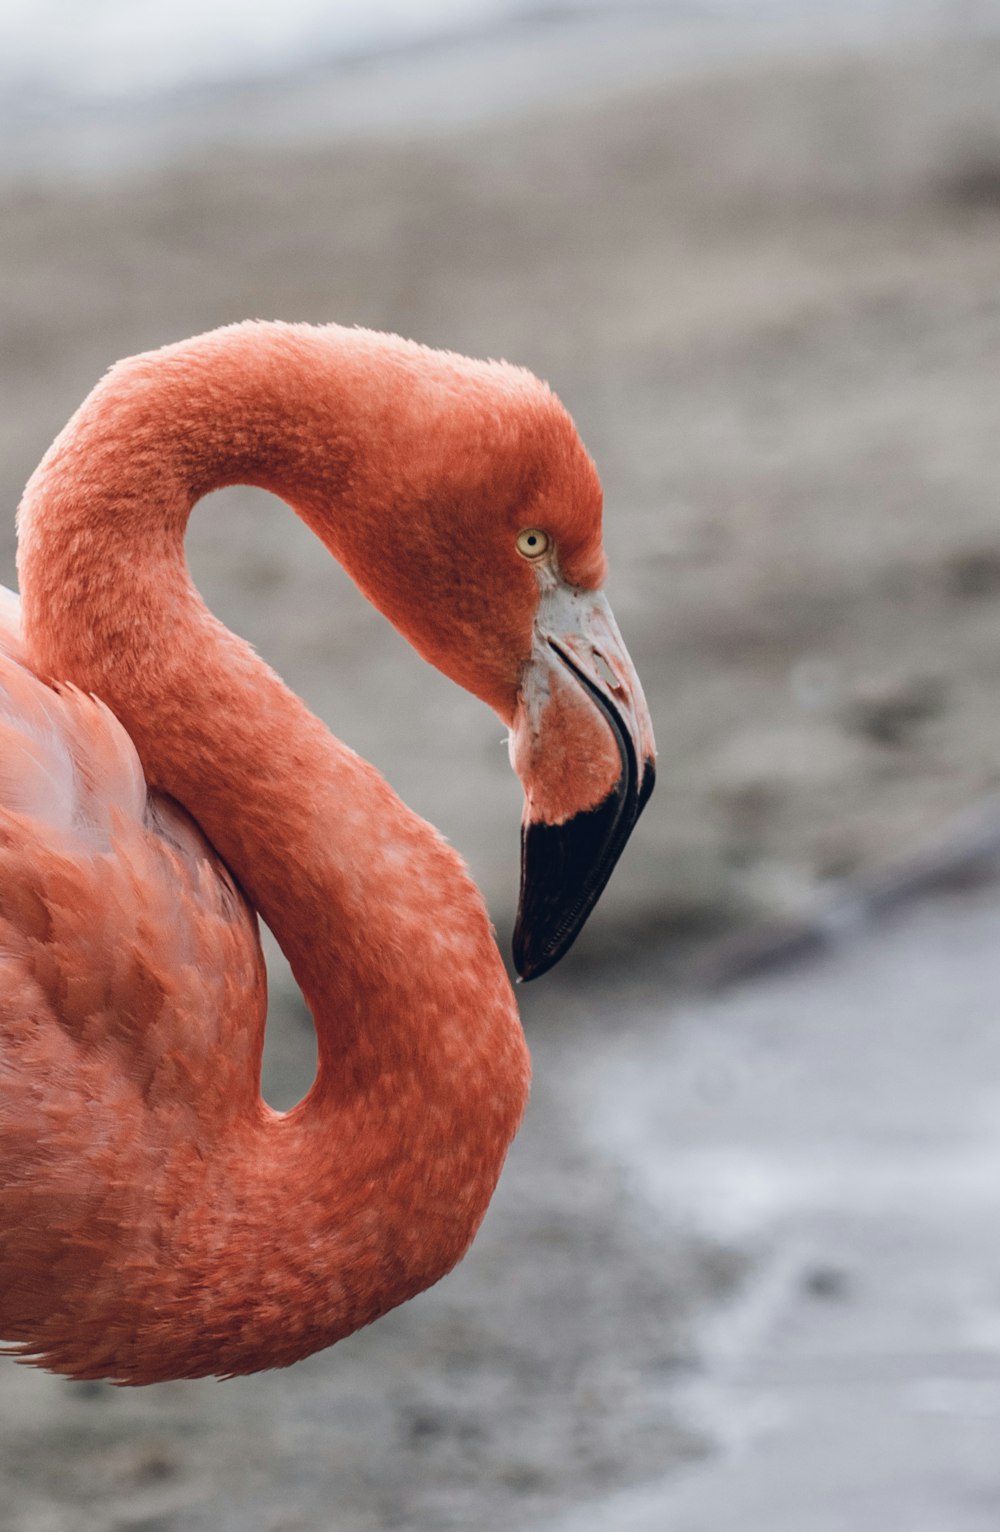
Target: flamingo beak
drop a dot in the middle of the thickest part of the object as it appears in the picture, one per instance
(582, 744)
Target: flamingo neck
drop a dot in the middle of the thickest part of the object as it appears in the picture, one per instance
(336, 864)
(384, 931)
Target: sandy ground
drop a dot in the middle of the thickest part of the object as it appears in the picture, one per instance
(772, 301)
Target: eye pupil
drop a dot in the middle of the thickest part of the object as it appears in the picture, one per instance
(533, 543)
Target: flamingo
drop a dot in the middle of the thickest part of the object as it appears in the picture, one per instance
(159, 785)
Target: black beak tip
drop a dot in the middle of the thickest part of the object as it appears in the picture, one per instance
(530, 958)
(564, 870)
(646, 785)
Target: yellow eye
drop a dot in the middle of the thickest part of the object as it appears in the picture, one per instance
(533, 543)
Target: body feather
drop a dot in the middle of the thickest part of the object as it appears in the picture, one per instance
(132, 999)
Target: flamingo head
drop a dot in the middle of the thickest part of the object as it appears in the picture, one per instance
(581, 739)
(491, 562)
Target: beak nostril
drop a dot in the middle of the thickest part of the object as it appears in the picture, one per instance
(605, 672)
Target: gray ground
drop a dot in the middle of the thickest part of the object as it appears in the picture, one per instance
(743, 1255)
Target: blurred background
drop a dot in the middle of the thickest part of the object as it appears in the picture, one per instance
(755, 247)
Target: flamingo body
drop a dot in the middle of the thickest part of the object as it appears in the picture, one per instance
(157, 1218)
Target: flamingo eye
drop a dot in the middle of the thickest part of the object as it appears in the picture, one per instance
(533, 543)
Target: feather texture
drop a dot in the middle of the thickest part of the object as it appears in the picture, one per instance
(157, 1219)
(132, 1001)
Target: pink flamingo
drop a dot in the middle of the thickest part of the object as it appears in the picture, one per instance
(157, 1219)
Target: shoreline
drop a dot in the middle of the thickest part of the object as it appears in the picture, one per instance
(436, 88)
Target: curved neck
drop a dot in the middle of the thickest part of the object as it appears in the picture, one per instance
(373, 1187)
(335, 863)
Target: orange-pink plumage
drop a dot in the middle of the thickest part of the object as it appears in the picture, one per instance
(157, 1219)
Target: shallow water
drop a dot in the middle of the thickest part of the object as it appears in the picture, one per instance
(120, 49)
(840, 1126)
(120, 87)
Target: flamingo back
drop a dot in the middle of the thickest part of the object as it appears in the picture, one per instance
(132, 998)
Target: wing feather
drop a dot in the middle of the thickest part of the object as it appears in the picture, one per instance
(132, 1006)
(113, 906)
